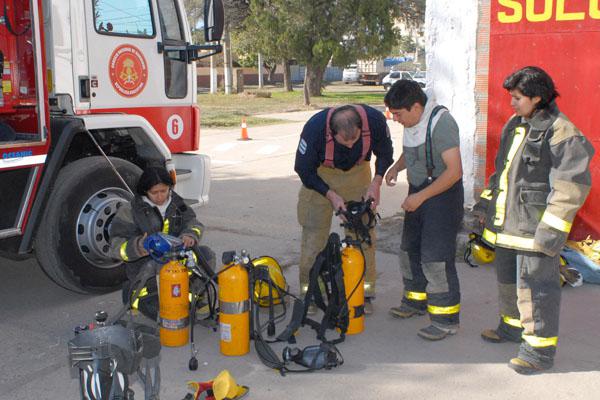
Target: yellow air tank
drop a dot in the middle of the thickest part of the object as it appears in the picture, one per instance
(234, 310)
(174, 306)
(353, 267)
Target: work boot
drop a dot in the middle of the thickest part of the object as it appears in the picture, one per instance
(524, 367)
(433, 332)
(494, 336)
(368, 307)
(405, 311)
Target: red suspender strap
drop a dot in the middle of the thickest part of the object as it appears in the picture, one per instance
(329, 145)
(366, 132)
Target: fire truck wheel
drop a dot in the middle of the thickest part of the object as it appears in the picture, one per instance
(72, 243)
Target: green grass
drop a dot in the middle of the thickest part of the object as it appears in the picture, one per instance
(220, 110)
(228, 121)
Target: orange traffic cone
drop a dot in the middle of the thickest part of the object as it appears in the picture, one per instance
(244, 135)
(388, 114)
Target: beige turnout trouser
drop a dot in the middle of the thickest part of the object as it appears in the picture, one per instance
(315, 212)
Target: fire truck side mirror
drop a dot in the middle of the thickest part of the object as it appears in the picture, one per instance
(213, 20)
(213, 31)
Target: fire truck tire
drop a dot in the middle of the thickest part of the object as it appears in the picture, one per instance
(73, 234)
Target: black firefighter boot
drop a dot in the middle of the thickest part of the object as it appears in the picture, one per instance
(503, 333)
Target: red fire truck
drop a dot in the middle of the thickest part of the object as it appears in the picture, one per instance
(90, 88)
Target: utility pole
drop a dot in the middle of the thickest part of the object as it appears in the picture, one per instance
(227, 60)
(260, 75)
(213, 75)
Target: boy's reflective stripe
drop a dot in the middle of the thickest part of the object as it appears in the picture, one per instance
(512, 321)
(536, 341)
(419, 296)
(503, 186)
(123, 251)
(443, 310)
(557, 223)
(508, 240)
(486, 194)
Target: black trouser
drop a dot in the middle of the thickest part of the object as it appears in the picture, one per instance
(537, 296)
(428, 254)
(510, 326)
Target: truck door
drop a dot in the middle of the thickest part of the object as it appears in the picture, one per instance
(23, 115)
(129, 72)
(124, 63)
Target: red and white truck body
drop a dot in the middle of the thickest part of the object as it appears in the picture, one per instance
(90, 87)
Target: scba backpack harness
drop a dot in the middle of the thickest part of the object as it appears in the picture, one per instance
(327, 290)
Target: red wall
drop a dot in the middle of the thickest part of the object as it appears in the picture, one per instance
(564, 40)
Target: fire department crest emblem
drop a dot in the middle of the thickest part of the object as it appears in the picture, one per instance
(128, 70)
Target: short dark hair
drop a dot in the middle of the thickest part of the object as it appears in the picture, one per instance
(403, 94)
(532, 81)
(153, 176)
(345, 120)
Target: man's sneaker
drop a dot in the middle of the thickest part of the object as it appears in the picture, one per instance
(368, 307)
(433, 332)
(493, 336)
(405, 311)
(524, 367)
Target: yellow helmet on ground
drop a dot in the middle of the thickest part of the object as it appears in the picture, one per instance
(261, 288)
(479, 251)
(569, 274)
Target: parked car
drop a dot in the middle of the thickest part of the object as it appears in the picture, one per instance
(350, 74)
(394, 76)
(420, 77)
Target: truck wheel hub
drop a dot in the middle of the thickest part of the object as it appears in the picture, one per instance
(93, 225)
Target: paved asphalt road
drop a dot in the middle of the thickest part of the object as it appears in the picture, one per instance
(253, 202)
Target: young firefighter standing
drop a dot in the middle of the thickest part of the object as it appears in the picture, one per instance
(433, 208)
(541, 180)
(332, 161)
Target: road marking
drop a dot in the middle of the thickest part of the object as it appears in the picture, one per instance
(296, 135)
(223, 147)
(225, 162)
(268, 149)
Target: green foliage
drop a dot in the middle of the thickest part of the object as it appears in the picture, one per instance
(195, 14)
(406, 45)
(315, 32)
(410, 12)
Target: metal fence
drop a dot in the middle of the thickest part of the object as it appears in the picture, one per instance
(331, 73)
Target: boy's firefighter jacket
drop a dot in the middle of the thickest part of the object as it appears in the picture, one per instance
(541, 180)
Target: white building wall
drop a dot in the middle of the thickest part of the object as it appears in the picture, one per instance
(451, 35)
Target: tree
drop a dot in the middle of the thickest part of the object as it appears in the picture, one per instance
(410, 12)
(195, 15)
(315, 32)
(264, 32)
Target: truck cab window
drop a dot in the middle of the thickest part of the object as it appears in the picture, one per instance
(176, 82)
(112, 18)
